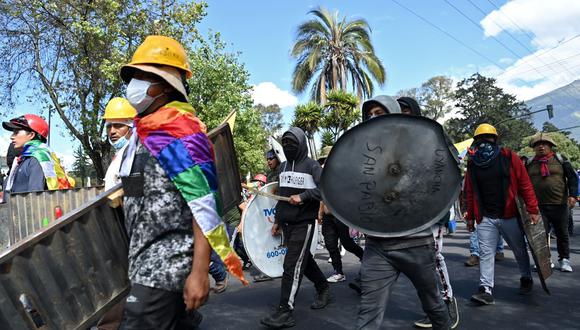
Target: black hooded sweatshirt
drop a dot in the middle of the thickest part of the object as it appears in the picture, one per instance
(300, 176)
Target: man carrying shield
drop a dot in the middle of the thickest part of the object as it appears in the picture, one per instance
(495, 177)
(385, 259)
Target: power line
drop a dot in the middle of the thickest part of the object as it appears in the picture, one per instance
(447, 33)
(508, 49)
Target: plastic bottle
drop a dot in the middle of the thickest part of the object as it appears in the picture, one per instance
(57, 212)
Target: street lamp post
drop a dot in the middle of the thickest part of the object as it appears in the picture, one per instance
(549, 108)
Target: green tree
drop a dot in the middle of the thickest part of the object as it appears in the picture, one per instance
(341, 112)
(308, 116)
(566, 147)
(70, 51)
(271, 118)
(221, 85)
(479, 101)
(82, 167)
(335, 53)
(326, 138)
(437, 97)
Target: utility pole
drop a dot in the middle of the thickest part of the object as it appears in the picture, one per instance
(50, 110)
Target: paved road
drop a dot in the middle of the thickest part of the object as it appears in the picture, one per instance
(242, 308)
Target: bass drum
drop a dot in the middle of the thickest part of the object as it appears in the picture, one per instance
(266, 251)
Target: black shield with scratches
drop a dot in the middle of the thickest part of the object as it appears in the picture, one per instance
(391, 176)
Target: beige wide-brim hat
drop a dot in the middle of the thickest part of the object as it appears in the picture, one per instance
(542, 137)
(170, 74)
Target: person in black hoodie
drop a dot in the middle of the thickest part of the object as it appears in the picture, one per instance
(385, 259)
(298, 179)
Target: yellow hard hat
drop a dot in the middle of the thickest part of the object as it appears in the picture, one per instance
(160, 50)
(485, 129)
(119, 108)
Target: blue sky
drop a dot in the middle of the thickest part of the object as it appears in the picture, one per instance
(412, 50)
(542, 52)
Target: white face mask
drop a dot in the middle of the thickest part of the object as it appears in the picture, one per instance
(137, 94)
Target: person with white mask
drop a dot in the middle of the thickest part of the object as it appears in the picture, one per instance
(118, 117)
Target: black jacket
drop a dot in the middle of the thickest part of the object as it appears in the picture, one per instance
(299, 177)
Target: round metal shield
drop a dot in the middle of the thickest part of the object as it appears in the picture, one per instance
(391, 176)
(266, 251)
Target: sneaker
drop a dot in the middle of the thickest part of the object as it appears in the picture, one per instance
(282, 318)
(221, 286)
(472, 261)
(535, 268)
(336, 277)
(499, 256)
(321, 298)
(483, 297)
(453, 312)
(424, 323)
(526, 285)
(247, 265)
(262, 278)
(565, 265)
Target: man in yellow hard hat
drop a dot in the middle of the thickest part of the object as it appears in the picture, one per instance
(495, 177)
(119, 114)
(171, 194)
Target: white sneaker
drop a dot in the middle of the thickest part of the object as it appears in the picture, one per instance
(336, 278)
(565, 265)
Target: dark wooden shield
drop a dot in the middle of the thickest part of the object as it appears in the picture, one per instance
(538, 242)
(227, 166)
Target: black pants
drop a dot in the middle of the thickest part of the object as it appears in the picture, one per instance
(381, 268)
(557, 217)
(571, 222)
(298, 262)
(333, 230)
(155, 309)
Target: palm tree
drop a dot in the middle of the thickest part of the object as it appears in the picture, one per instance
(340, 112)
(335, 54)
(308, 116)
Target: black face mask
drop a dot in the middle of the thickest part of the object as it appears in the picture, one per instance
(290, 151)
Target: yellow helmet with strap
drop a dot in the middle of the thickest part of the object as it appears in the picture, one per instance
(485, 129)
(161, 50)
(119, 108)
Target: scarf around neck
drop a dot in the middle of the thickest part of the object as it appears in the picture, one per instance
(544, 169)
(55, 176)
(177, 139)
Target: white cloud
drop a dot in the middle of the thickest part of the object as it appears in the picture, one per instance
(267, 93)
(67, 161)
(549, 23)
(576, 114)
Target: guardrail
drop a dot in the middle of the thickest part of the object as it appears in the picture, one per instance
(26, 213)
(66, 275)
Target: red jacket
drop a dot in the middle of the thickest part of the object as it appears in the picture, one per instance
(519, 184)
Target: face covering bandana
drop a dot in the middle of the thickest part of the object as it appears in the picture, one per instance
(137, 94)
(483, 153)
(290, 149)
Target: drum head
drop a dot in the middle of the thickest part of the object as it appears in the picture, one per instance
(266, 251)
(391, 176)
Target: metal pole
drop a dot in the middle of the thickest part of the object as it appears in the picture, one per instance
(49, 123)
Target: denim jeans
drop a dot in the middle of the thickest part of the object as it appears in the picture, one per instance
(217, 269)
(488, 233)
(379, 271)
(474, 245)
